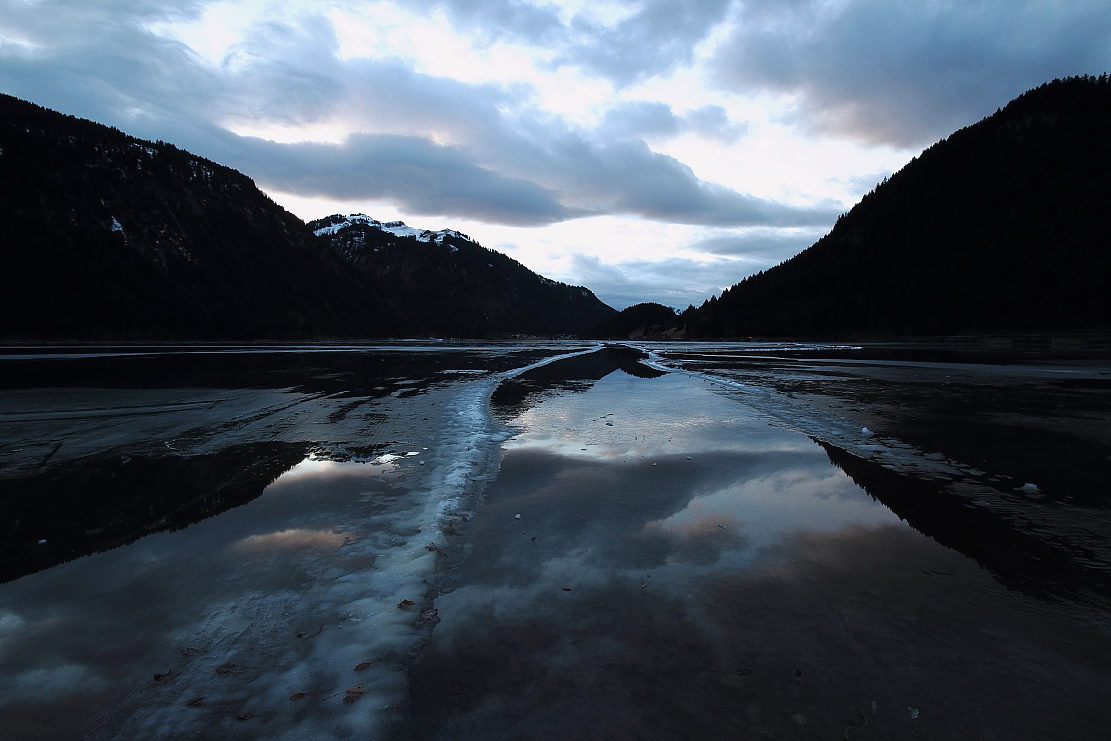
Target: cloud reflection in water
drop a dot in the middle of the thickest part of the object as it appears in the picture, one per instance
(291, 539)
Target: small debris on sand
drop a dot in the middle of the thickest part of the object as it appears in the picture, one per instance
(165, 676)
(351, 694)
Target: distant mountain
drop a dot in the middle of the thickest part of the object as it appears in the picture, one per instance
(1004, 227)
(648, 320)
(447, 281)
(108, 237)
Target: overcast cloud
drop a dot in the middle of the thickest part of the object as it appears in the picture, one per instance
(675, 281)
(753, 123)
(430, 144)
(907, 72)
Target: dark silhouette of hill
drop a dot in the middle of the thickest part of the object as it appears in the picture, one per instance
(446, 281)
(97, 504)
(109, 237)
(1003, 227)
(637, 321)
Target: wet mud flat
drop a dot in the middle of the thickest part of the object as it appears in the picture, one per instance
(99, 448)
(324, 543)
(1003, 455)
(696, 559)
(219, 543)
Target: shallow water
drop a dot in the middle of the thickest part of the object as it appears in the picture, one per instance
(184, 559)
(707, 545)
(1007, 461)
(684, 568)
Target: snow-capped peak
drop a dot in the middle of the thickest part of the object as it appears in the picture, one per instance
(345, 222)
(397, 228)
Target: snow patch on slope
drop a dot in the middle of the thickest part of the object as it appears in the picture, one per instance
(397, 228)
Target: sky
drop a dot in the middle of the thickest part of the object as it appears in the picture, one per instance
(651, 150)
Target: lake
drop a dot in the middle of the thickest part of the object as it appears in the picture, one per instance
(555, 540)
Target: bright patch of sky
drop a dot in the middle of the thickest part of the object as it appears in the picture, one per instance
(649, 149)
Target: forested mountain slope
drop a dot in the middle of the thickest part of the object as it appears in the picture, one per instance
(443, 279)
(107, 237)
(1003, 227)
(638, 321)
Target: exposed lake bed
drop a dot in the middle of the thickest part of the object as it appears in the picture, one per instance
(698, 553)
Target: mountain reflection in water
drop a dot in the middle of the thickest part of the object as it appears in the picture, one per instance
(684, 566)
(789, 542)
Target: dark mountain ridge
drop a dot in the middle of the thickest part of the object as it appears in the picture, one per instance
(1002, 228)
(647, 320)
(108, 238)
(446, 280)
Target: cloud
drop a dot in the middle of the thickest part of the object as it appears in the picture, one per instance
(863, 183)
(712, 122)
(496, 19)
(675, 282)
(432, 145)
(96, 59)
(648, 38)
(906, 73)
(762, 247)
(639, 120)
(629, 178)
(589, 266)
(708, 265)
(420, 176)
(656, 120)
(653, 40)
